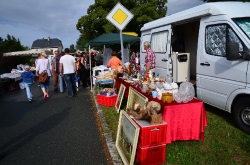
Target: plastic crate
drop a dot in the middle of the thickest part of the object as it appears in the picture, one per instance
(151, 155)
(151, 135)
(107, 101)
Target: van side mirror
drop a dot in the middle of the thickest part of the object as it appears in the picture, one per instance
(232, 51)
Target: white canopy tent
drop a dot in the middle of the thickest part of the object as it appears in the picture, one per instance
(32, 52)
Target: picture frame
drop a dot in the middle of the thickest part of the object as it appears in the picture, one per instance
(135, 96)
(127, 138)
(120, 98)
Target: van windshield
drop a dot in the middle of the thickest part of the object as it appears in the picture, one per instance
(244, 24)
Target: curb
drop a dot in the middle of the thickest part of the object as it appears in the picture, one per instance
(108, 136)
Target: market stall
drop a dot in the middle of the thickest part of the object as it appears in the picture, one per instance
(186, 121)
(102, 75)
(110, 39)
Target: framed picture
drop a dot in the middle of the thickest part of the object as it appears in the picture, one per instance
(135, 96)
(127, 138)
(119, 98)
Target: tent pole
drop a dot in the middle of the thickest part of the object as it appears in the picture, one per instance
(90, 69)
(122, 48)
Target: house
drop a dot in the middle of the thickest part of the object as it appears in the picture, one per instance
(49, 43)
(48, 46)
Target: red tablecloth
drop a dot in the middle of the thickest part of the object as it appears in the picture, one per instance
(186, 121)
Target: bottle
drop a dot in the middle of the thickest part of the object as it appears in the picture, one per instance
(174, 88)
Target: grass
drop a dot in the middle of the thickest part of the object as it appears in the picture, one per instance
(224, 143)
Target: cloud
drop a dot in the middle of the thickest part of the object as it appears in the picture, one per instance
(29, 20)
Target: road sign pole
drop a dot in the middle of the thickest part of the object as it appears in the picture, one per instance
(122, 48)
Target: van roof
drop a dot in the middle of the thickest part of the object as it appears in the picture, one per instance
(232, 9)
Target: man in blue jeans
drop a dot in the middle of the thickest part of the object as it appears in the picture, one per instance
(67, 70)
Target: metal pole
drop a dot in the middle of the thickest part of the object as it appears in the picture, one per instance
(90, 69)
(122, 48)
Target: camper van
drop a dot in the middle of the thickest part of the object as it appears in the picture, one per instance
(209, 44)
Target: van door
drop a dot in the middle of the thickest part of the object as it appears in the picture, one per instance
(217, 77)
(160, 44)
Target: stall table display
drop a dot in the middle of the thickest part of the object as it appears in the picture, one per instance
(186, 121)
(11, 81)
(13, 76)
(100, 82)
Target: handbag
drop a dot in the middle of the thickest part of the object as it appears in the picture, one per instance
(43, 77)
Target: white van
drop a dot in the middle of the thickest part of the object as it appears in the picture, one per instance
(214, 40)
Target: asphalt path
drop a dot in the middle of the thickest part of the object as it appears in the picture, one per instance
(58, 130)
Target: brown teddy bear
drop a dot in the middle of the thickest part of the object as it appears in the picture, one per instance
(138, 113)
(151, 113)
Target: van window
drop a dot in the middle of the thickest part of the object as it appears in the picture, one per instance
(159, 42)
(244, 24)
(216, 38)
(144, 39)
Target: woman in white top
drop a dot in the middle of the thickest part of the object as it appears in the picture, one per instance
(42, 65)
(137, 58)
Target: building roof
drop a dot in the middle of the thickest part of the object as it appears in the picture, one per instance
(46, 43)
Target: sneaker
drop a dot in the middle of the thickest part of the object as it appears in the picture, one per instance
(30, 100)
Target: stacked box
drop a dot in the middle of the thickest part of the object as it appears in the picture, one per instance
(151, 155)
(151, 135)
(151, 143)
(107, 101)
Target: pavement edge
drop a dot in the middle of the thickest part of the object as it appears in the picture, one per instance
(108, 136)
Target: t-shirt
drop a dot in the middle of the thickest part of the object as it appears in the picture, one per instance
(136, 60)
(114, 62)
(68, 62)
(99, 57)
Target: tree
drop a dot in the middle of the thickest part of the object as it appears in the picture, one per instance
(8, 45)
(81, 42)
(72, 48)
(225, 0)
(11, 44)
(94, 23)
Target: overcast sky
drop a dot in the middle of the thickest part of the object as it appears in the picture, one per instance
(29, 20)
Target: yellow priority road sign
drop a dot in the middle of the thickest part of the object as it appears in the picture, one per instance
(120, 16)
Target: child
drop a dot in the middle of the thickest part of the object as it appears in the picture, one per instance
(27, 81)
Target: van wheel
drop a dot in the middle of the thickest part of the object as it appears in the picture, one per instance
(241, 114)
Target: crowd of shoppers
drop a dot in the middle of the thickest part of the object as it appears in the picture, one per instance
(67, 71)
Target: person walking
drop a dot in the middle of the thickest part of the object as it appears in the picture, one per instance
(28, 76)
(56, 73)
(99, 58)
(43, 64)
(67, 70)
(84, 71)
